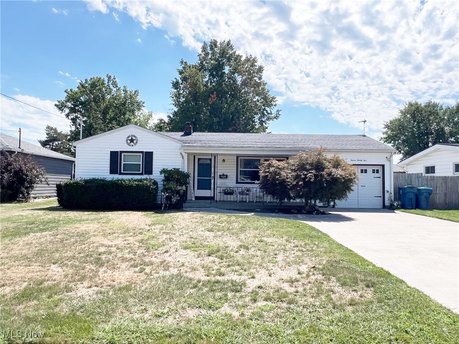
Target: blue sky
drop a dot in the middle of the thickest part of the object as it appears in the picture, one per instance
(330, 64)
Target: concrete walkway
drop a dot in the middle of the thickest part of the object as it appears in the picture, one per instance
(422, 251)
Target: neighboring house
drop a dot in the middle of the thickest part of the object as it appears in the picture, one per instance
(58, 166)
(219, 162)
(439, 160)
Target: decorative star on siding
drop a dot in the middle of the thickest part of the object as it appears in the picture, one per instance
(132, 140)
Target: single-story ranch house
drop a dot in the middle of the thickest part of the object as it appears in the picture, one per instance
(224, 166)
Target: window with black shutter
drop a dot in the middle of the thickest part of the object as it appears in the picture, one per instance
(131, 163)
(114, 164)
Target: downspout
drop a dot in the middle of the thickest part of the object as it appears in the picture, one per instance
(216, 179)
(391, 177)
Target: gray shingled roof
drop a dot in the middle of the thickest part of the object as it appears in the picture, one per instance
(10, 143)
(280, 141)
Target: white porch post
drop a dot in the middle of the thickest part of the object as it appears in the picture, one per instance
(185, 169)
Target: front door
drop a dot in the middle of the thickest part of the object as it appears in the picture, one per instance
(203, 176)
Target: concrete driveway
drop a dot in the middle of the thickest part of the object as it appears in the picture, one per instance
(422, 251)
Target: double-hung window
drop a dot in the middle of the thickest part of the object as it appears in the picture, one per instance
(248, 171)
(131, 163)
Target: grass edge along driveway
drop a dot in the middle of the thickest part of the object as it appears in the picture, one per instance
(116, 277)
(449, 215)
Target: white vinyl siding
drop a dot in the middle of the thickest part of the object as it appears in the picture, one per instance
(93, 156)
(442, 158)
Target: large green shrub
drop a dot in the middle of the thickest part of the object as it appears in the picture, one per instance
(275, 179)
(310, 176)
(175, 182)
(103, 194)
(18, 175)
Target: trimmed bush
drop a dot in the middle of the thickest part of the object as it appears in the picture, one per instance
(175, 182)
(103, 194)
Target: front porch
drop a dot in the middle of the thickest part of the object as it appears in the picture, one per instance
(226, 177)
(243, 198)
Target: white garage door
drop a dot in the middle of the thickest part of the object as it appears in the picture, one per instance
(367, 192)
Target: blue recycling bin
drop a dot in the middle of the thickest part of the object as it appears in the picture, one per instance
(423, 197)
(408, 196)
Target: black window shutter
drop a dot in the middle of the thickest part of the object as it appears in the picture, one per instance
(114, 163)
(148, 163)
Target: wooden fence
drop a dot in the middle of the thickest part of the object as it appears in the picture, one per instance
(445, 190)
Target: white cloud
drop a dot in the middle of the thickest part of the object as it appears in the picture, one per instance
(97, 5)
(357, 60)
(116, 16)
(170, 40)
(56, 11)
(158, 115)
(32, 121)
(16, 89)
(68, 75)
(139, 40)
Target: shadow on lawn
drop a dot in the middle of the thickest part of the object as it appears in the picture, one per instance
(310, 218)
(300, 217)
(57, 208)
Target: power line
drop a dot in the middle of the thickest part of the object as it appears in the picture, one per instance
(33, 106)
(9, 130)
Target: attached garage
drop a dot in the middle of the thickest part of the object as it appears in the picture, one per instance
(368, 192)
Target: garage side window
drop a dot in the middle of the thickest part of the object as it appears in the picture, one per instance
(131, 163)
(429, 170)
(456, 168)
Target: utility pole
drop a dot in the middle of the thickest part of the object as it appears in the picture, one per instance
(81, 127)
(364, 126)
(20, 137)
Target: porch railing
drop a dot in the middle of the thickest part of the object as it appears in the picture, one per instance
(244, 194)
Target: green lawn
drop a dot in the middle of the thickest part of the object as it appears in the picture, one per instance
(450, 215)
(181, 277)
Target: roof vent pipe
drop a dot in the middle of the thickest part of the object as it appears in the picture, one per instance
(188, 129)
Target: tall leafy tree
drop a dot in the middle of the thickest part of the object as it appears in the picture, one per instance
(420, 126)
(102, 105)
(57, 141)
(223, 91)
